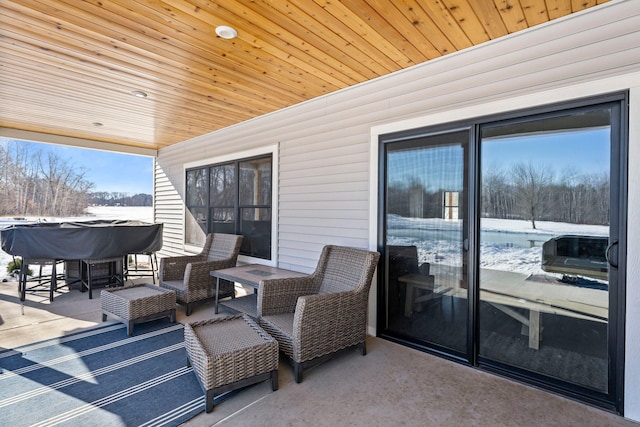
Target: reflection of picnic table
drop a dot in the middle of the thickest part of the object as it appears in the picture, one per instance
(507, 291)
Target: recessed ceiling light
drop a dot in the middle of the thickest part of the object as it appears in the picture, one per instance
(139, 94)
(226, 32)
(97, 124)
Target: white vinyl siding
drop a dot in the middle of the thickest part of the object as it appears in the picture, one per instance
(327, 182)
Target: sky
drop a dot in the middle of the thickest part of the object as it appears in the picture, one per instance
(108, 171)
(585, 152)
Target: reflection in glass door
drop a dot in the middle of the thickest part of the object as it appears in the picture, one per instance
(425, 224)
(545, 230)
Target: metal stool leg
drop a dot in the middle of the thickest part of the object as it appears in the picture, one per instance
(52, 281)
(22, 280)
(153, 260)
(89, 280)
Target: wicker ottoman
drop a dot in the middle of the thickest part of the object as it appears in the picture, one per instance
(137, 304)
(230, 352)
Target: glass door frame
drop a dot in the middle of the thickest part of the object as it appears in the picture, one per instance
(613, 400)
(400, 137)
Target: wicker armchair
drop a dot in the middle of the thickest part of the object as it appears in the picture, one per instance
(189, 276)
(315, 316)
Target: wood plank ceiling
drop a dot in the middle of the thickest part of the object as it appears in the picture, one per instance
(70, 67)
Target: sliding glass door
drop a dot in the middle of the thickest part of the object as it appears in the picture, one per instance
(503, 244)
(425, 288)
(545, 241)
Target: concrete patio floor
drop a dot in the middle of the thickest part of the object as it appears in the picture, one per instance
(392, 385)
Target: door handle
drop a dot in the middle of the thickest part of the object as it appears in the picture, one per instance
(465, 245)
(607, 254)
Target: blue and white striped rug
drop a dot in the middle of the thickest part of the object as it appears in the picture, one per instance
(101, 377)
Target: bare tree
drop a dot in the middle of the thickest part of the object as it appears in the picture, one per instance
(532, 184)
(497, 194)
(39, 185)
(5, 164)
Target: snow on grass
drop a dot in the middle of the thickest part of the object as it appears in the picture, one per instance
(505, 244)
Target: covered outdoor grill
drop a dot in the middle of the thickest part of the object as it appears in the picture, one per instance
(94, 252)
(576, 256)
(99, 239)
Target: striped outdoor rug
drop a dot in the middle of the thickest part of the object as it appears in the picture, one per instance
(101, 377)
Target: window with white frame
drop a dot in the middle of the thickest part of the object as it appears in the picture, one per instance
(233, 197)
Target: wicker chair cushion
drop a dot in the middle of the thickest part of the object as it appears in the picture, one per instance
(178, 286)
(280, 326)
(186, 295)
(284, 322)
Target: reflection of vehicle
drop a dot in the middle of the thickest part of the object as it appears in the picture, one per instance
(576, 256)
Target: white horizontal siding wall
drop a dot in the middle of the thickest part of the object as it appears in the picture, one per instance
(327, 178)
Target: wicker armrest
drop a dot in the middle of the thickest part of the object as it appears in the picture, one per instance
(341, 307)
(328, 322)
(199, 272)
(205, 267)
(172, 268)
(277, 296)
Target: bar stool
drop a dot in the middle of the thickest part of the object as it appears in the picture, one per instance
(114, 274)
(136, 270)
(41, 283)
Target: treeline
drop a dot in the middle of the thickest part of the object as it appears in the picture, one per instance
(33, 183)
(120, 199)
(534, 193)
(524, 191)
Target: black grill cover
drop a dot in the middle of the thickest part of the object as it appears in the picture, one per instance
(81, 240)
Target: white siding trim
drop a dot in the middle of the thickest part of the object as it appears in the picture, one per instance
(632, 324)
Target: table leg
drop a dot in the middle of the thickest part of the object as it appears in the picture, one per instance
(530, 326)
(53, 283)
(534, 329)
(408, 300)
(215, 310)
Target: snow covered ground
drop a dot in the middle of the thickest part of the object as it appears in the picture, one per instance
(95, 212)
(507, 245)
(504, 244)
